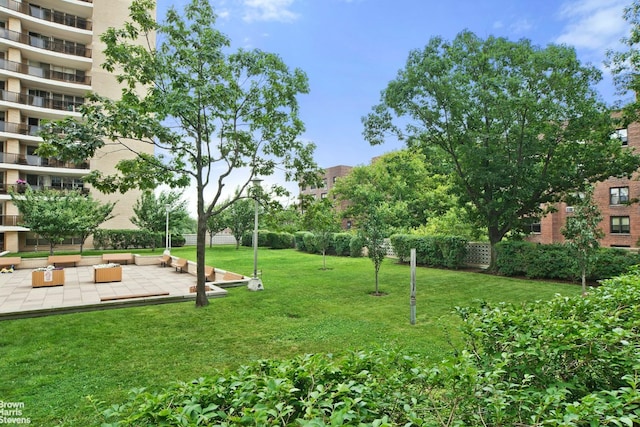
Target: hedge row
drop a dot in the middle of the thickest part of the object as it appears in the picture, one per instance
(269, 239)
(126, 239)
(432, 251)
(556, 261)
(342, 244)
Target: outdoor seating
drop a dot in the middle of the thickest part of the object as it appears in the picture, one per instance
(165, 260)
(180, 265)
(10, 261)
(55, 260)
(118, 258)
(209, 274)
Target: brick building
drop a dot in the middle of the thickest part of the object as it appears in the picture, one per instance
(621, 220)
(328, 181)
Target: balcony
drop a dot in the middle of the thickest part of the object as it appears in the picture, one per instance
(55, 103)
(61, 46)
(10, 220)
(20, 188)
(19, 128)
(31, 160)
(44, 73)
(47, 14)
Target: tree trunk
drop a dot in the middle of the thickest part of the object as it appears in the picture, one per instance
(584, 280)
(324, 259)
(494, 238)
(201, 294)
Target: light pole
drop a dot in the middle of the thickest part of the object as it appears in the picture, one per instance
(255, 284)
(167, 245)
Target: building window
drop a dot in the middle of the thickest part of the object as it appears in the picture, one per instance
(618, 195)
(620, 225)
(323, 195)
(621, 134)
(536, 228)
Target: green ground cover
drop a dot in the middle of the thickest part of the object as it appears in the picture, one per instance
(51, 363)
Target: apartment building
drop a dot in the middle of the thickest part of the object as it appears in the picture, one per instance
(617, 200)
(328, 181)
(50, 56)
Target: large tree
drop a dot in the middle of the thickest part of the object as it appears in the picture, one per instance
(58, 215)
(521, 125)
(151, 212)
(215, 115)
(414, 186)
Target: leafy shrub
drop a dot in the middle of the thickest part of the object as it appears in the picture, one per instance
(125, 239)
(310, 243)
(356, 246)
(247, 238)
(556, 262)
(341, 243)
(432, 251)
(276, 240)
(299, 240)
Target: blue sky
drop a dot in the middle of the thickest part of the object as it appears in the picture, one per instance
(351, 49)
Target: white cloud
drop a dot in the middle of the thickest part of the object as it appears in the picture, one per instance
(594, 25)
(269, 10)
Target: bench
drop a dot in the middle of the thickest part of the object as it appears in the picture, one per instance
(165, 260)
(64, 259)
(120, 297)
(209, 274)
(117, 258)
(180, 265)
(10, 261)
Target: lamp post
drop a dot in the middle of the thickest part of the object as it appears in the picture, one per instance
(255, 284)
(167, 245)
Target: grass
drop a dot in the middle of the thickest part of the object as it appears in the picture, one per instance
(52, 363)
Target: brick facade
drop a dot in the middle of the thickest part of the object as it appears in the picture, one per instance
(616, 235)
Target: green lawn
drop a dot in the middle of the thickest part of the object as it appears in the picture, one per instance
(52, 363)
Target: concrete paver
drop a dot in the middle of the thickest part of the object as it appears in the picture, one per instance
(79, 293)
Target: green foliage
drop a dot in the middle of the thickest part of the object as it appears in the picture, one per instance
(341, 242)
(126, 239)
(432, 251)
(151, 212)
(479, 101)
(558, 261)
(356, 246)
(239, 217)
(279, 240)
(299, 237)
(415, 189)
(57, 215)
(309, 240)
(570, 361)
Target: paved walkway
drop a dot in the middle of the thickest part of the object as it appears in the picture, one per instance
(79, 293)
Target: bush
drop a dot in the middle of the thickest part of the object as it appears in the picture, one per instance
(299, 240)
(247, 238)
(125, 239)
(310, 243)
(432, 251)
(556, 262)
(341, 243)
(356, 246)
(277, 240)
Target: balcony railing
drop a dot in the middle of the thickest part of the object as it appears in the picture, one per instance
(63, 46)
(21, 188)
(47, 14)
(19, 128)
(39, 101)
(10, 220)
(31, 160)
(45, 73)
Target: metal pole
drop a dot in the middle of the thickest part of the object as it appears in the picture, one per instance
(255, 284)
(413, 287)
(166, 233)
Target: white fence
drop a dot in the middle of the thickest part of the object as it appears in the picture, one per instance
(218, 239)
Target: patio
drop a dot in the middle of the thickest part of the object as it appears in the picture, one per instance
(140, 285)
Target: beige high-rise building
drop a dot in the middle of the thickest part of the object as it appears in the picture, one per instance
(50, 57)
